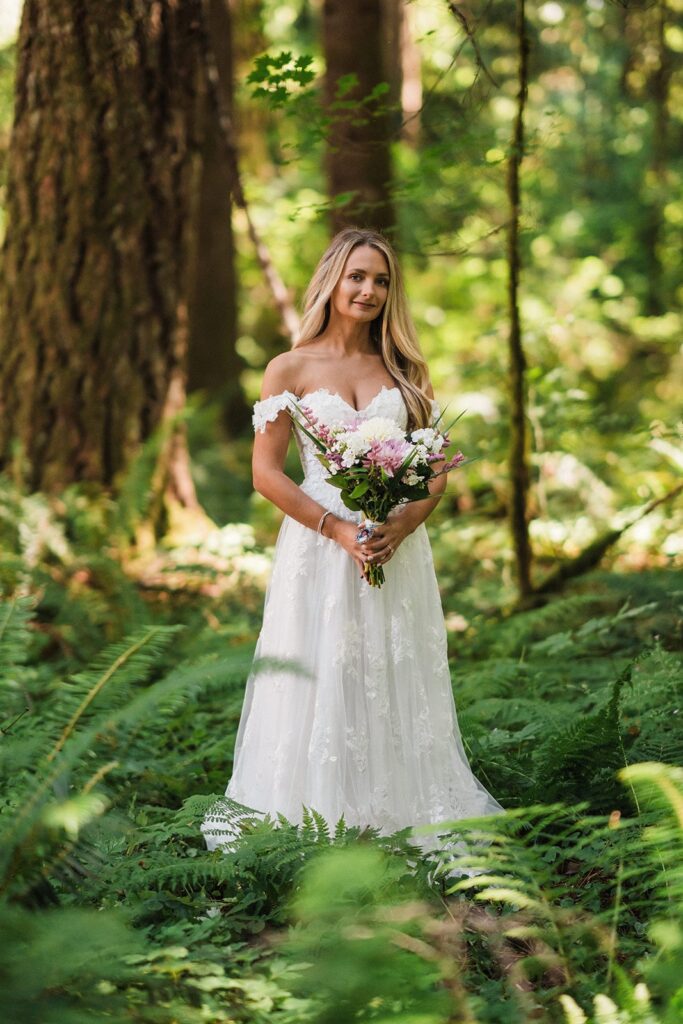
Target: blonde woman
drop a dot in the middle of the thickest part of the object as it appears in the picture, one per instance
(359, 718)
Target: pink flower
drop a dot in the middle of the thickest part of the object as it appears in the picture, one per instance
(309, 414)
(455, 461)
(388, 455)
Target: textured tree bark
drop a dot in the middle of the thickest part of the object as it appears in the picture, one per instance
(517, 456)
(101, 177)
(360, 37)
(214, 365)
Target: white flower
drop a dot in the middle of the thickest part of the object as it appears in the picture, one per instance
(420, 457)
(376, 428)
(411, 478)
(430, 438)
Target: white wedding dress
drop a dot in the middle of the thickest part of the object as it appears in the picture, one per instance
(364, 724)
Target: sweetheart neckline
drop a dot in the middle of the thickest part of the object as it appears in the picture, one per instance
(335, 394)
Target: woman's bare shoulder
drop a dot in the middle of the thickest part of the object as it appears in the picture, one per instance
(281, 374)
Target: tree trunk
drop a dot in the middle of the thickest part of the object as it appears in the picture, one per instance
(518, 459)
(411, 80)
(101, 177)
(656, 185)
(360, 38)
(214, 365)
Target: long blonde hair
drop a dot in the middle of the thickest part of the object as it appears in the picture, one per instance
(393, 331)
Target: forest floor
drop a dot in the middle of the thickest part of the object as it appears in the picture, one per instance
(140, 690)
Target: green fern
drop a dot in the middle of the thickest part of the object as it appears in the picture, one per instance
(61, 786)
(16, 615)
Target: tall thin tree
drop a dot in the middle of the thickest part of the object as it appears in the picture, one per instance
(214, 365)
(518, 452)
(657, 197)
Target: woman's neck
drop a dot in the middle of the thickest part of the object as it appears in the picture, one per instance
(346, 337)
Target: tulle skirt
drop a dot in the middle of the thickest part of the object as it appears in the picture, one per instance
(349, 709)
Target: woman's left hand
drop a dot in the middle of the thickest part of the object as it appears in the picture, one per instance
(385, 539)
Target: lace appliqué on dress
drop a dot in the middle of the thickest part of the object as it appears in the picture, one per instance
(268, 409)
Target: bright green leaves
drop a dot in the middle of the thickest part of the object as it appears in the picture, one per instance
(276, 77)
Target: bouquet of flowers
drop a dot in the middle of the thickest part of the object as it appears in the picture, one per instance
(377, 466)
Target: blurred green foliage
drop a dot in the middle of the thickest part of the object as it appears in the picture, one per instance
(601, 215)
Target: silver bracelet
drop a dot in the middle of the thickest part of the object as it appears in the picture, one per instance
(322, 520)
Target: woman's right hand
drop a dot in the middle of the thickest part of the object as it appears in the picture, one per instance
(344, 533)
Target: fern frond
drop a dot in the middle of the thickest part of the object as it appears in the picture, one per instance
(108, 680)
(18, 819)
(15, 637)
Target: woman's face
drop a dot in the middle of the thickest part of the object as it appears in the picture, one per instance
(362, 289)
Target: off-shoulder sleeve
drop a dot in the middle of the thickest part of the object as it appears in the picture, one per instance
(268, 409)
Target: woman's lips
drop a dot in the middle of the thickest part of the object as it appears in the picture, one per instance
(366, 305)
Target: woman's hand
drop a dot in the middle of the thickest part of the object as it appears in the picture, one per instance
(386, 539)
(344, 533)
(379, 548)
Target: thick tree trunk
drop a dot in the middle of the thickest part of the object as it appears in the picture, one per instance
(213, 363)
(518, 459)
(101, 175)
(360, 38)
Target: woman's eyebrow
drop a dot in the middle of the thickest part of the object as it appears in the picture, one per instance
(361, 270)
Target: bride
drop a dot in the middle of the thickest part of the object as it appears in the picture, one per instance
(353, 714)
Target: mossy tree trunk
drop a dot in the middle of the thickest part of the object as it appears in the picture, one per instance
(361, 38)
(93, 292)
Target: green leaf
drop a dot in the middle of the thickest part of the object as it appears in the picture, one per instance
(336, 481)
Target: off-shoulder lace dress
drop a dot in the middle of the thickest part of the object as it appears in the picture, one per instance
(362, 723)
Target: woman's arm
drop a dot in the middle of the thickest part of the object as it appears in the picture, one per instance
(270, 451)
(270, 479)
